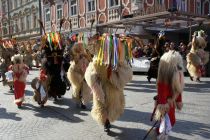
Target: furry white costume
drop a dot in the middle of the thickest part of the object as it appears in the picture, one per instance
(197, 57)
(170, 85)
(108, 97)
(76, 72)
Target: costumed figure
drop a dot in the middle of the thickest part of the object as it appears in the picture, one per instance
(6, 52)
(107, 76)
(20, 72)
(76, 72)
(40, 88)
(28, 55)
(36, 54)
(54, 66)
(155, 56)
(197, 57)
(170, 85)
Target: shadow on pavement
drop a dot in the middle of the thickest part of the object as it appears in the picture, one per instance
(183, 127)
(126, 133)
(136, 116)
(197, 87)
(8, 115)
(64, 114)
(192, 128)
(141, 86)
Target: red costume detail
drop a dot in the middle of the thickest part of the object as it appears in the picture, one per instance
(164, 93)
(43, 75)
(19, 88)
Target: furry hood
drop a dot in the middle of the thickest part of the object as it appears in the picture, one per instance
(17, 59)
(171, 71)
(78, 52)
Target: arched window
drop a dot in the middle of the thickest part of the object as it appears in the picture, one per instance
(5, 28)
(206, 7)
(28, 21)
(181, 5)
(198, 7)
(22, 24)
(34, 20)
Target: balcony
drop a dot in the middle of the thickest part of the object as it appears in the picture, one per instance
(89, 17)
(150, 10)
(160, 8)
(113, 13)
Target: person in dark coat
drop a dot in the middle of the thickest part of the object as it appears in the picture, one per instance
(157, 52)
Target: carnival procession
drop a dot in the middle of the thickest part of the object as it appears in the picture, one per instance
(96, 69)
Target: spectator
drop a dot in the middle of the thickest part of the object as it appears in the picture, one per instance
(166, 47)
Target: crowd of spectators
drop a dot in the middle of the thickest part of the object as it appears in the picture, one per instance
(146, 50)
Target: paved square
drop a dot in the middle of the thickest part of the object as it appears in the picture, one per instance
(63, 120)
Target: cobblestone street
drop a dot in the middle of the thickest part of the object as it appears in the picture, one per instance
(63, 120)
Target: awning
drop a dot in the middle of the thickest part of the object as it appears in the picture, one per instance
(170, 21)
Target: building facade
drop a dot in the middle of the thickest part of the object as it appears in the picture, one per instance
(80, 12)
(19, 19)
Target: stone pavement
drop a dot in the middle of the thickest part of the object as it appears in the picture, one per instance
(63, 120)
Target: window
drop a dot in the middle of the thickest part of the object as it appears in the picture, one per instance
(22, 23)
(91, 5)
(5, 28)
(73, 5)
(16, 26)
(198, 6)
(28, 21)
(21, 2)
(181, 5)
(113, 3)
(47, 15)
(206, 8)
(161, 2)
(10, 5)
(59, 12)
(11, 27)
(34, 20)
(15, 4)
(4, 5)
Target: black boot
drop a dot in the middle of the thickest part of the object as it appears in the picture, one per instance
(82, 106)
(149, 78)
(107, 126)
(198, 80)
(191, 78)
(11, 88)
(55, 99)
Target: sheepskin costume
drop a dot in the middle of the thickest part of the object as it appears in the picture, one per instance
(170, 85)
(28, 56)
(40, 88)
(76, 72)
(20, 72)
(197, 57)
(108, 97)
